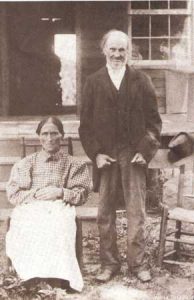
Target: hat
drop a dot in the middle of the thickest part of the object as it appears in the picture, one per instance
(182, 145)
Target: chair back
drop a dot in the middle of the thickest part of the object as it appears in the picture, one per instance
(31, 145)
(161, 161)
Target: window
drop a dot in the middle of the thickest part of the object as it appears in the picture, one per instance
(160, 31)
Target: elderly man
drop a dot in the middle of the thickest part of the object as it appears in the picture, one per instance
(120, 132)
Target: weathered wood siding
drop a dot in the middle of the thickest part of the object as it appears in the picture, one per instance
(159, 81)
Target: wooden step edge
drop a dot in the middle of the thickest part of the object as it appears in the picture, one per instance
(9, 160)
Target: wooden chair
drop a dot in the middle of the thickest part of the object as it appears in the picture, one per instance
(31, 145)
(178, 215)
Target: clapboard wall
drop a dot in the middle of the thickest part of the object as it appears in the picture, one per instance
(159, 81)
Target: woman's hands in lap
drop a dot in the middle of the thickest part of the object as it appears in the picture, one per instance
(49, 193)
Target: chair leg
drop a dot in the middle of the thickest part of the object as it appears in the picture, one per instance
(8, 260)
(79, 245)
(162, 239)
(177, 236)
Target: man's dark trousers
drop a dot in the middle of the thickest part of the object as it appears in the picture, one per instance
(133, 182)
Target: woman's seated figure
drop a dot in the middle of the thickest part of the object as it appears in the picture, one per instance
(45, 187)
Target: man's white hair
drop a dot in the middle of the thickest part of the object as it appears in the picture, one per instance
(113, 32)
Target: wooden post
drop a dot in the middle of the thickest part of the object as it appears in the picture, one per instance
(162, 238)
(79, 246)
(192, 32)
(4, 63)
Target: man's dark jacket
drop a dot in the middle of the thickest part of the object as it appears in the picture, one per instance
(98, 117)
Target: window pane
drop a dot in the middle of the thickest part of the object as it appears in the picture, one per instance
(140, 26)
(159, 49)
(139, 4)
(159, 25)
(179, 26)
(178, 4)
(140, 49)
(159, 4)
(179, 50)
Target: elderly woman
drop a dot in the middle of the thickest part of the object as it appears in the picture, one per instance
(45, 187)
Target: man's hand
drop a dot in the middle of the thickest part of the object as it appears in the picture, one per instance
(138, 159)
(103, 160)
(49, 193)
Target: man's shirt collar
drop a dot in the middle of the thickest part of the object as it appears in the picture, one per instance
(116, 75)
(117, 72)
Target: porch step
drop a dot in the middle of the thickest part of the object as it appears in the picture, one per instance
(9, 160)
(6, 163)
(10, 147)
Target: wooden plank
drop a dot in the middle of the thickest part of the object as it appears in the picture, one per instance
(87, 213)
(158, 73)
(169, 253)
(159, 12)
(181, 214)
(159, 82)
(190, 108)
(163, 230)
(171, 232)
(187, 233)
(181, 241)
(174, 262)
(175, 123)
(9, 160)
(187, 254)
(176, 92)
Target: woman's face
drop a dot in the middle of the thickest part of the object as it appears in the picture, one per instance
(50, 138)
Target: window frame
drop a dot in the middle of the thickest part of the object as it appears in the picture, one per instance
(189, 11)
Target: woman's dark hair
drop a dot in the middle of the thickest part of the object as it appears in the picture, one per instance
(54, 120)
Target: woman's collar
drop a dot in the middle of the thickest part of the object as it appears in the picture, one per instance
(50, 156)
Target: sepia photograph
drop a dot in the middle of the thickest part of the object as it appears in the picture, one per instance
(97, 150)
